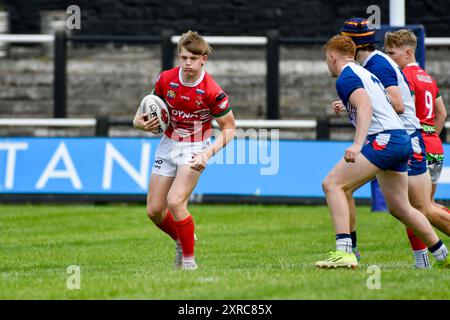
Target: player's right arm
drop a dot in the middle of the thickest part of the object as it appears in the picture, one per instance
(440, 114)
(337, 106)
(143, 122)
(361, 101)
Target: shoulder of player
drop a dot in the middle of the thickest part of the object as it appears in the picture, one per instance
(409, 72)
(382, 61)
(351, 73)
(169, 75)
(214, 91)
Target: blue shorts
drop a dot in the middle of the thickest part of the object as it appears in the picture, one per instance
(417, 163)
(388, 150)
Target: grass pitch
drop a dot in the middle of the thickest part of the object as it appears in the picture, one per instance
(243, 252)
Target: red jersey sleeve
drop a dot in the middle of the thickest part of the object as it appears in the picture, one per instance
(219, 105)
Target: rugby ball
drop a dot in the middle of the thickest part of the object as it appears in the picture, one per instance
(154, 106)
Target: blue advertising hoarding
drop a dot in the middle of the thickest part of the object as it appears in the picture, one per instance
(123, 166)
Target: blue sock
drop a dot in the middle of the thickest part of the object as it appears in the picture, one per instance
(353, 235)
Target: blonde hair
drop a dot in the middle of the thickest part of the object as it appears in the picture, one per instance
(194, 43)
(342, 44)
(400, 38)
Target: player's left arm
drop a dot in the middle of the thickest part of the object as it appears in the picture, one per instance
(388, 77)
(440, 114)
(395, 97)
(227, 127)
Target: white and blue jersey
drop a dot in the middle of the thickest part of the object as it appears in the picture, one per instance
(354, 77)
(390, 74)
(388, 145)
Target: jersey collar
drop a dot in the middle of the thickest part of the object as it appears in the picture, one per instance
(412, 64)
(347, 64)
(190, 84)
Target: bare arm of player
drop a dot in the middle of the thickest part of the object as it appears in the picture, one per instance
(441, 115)
(396, 99)
(337, 107)
(142, 122)
(360, 99)
(227, 132)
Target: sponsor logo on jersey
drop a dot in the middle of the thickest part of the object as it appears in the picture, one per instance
(200, 91)
(182, 114)
(220, 96)
(198, 101)
(185, 98)
(174, 85)
(171, 94)
(223, 104)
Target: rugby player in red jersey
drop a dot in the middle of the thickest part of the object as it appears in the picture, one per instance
(193, 99)
(430, 109)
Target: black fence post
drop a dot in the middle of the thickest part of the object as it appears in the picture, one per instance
(323, 128)
(102, 126)
(167, 49)
(60, 75)
(273, 75)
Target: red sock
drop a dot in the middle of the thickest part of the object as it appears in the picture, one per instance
(185, 229)
(416, 243)
(168, 226)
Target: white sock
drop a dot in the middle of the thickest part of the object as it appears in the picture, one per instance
(422, 260)
(344, 244)
(190, 259)
(441, 253)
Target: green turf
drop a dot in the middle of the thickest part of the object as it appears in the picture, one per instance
(244, 252)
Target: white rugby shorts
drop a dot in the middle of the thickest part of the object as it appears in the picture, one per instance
(171, 154)
(435, 170)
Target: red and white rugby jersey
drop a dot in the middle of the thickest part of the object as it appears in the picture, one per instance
(426, 91)
(191, 105)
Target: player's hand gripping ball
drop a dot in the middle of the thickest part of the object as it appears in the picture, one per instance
(154, 106)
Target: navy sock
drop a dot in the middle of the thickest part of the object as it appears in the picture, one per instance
(353, 235)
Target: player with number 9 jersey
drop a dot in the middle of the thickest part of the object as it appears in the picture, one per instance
(426, 92)
(430, 109)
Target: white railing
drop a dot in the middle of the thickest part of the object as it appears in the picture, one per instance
(275, 124)
(257, 124)
(437, 41)
(91, 122)
(257, 41)
(27, 38)
(50, 122)
(253, 41)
